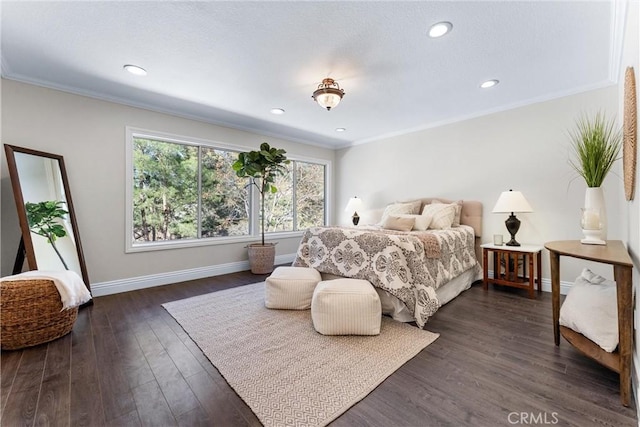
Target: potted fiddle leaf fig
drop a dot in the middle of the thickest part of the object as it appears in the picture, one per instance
(262, 167)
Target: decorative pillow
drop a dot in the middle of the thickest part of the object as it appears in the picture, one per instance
(440, 216)
(591, 309)
(457, 205)
(421, 222)
(401, 208)
(393, 222)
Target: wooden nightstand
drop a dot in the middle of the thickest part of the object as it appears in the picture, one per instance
(513, 266)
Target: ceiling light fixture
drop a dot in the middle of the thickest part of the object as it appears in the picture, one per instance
(328, 94)
(440, 29)
(340, 129)
(277, 111)
(134, 69)
(489, 83)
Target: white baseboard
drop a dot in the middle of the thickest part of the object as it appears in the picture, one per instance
(546, 284)
(142, 282)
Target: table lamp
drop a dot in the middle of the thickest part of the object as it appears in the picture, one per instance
(510, 202)
(354, 205)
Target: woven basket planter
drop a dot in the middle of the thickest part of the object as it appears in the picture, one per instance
(31, 314)
(261, 258)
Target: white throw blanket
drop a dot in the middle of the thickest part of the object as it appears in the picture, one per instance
(70, 285)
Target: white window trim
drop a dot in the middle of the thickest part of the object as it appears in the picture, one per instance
(254, 227)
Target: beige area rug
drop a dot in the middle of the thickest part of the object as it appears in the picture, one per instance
(286, 372)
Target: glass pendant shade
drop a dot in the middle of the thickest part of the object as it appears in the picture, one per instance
(328, 94)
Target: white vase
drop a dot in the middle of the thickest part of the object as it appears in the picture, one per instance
(594, 219)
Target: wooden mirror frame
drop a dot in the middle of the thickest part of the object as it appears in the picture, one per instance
(26, 244)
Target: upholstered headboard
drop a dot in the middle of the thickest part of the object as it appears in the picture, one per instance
(470, 215)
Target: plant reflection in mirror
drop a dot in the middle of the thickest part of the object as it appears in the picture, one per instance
(44, 219)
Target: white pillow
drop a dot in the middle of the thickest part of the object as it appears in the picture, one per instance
(393, 222)
(591, 309)
(401, 208)
(457, 205)
(440, 215)
(421, 222)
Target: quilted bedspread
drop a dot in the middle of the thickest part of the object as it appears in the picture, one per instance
(396, 262)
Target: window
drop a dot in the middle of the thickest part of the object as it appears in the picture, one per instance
(300, 200)
(184, 192)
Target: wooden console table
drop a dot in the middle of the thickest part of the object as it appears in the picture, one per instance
(615, 254)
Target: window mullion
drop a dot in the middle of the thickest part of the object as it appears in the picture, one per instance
(294, 192)
(199, 214)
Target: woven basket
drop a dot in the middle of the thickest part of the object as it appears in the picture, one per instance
(31, 314)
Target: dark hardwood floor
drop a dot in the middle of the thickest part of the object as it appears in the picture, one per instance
(128, 363)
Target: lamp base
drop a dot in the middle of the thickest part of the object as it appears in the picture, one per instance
(512, 242)
(513, 225)
(355, 218)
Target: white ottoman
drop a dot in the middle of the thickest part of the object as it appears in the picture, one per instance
(291, 288)
(346, 307)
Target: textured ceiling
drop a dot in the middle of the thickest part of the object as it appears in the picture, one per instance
(231, 62)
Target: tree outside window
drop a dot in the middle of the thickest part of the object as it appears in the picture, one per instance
(185, 191)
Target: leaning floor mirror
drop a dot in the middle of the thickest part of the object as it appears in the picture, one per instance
(50, 238)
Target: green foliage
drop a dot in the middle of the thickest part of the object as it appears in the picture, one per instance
(165, 190)
(262, 167)
(596, 143)
(44, 220)
(224, 201)
(166, 204)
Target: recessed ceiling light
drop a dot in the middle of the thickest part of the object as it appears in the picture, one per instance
(340, 129)
(277, 111)
(440, 29)
(134, 69)
(489, 83)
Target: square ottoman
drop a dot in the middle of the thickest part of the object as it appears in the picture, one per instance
(291, 288)
(346, 307)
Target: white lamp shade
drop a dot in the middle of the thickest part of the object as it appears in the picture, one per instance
(511, 201)
(354, 205)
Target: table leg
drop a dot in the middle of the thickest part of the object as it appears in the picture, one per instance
(622, 276)
(485, 265)
(532, 279)
(539, 270)
(554, 259)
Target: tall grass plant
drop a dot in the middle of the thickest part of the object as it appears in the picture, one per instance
(596, 143)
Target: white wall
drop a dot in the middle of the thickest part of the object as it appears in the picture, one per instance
(631, 209)
(523, 149)
(90, 134)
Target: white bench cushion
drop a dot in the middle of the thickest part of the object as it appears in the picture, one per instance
(291, 288)
(346, 307)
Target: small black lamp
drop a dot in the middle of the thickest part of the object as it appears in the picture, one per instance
(354, 205)
(510, 202)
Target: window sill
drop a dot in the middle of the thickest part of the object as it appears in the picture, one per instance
(212, 241)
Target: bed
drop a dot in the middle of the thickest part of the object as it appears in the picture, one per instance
(415, 272)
